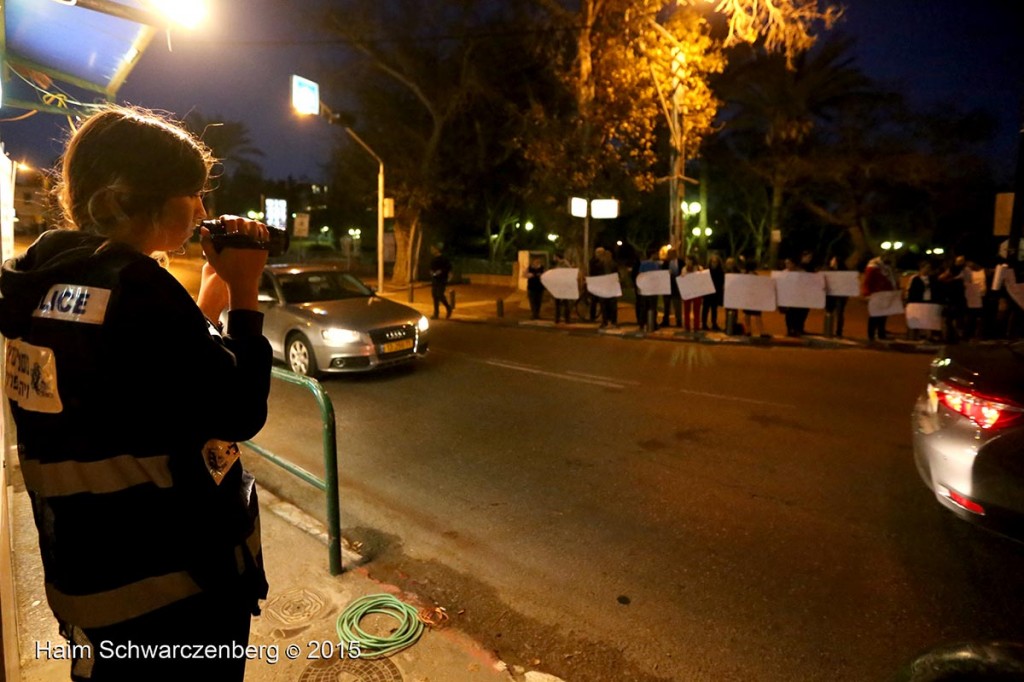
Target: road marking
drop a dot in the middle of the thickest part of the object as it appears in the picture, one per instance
(735, 398)
(598, 376)
(556, 375)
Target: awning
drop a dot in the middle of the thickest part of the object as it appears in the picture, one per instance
(53, 48)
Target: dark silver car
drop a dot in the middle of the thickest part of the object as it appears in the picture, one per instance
(969, 434)
(320, 319)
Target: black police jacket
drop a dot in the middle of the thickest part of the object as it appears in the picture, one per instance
(119, 392)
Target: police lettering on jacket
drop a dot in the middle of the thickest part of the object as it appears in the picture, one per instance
(74, 303)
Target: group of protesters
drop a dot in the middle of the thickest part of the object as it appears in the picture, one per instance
(960, 300)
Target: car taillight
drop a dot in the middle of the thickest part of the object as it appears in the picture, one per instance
(984, 411)
(965, 502)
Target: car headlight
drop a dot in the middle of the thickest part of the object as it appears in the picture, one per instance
(334, 336)
(424, 324)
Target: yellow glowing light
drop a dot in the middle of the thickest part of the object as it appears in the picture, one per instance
(187, 13)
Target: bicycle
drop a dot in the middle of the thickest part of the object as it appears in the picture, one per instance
(586, 303)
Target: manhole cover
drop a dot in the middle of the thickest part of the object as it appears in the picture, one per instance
(296, 606)
(352, 670)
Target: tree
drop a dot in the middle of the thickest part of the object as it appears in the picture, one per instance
(231, 146)
(630, 56)
(412, 85)
(775, 109)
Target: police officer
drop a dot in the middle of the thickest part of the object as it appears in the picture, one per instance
(128, 403)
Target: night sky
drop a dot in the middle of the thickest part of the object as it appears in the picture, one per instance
(239, 65)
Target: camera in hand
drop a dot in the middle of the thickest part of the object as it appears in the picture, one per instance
(276, 244)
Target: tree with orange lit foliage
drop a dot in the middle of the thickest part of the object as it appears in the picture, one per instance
(627, 61)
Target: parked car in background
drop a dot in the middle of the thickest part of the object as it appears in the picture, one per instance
(969, 434)
(321, 319)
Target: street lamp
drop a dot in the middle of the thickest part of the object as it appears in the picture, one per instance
(187, 13)
(380, 206)
(306, 100)
(592, 208)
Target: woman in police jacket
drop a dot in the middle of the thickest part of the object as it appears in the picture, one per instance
(128, 403)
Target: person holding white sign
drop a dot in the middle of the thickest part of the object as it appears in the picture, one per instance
(674, 264)
(836, 304)
(563, 305)
(609, 304)
(922, 290)
(974, 293)
(879, 278)
(691, 306)
(713, 301)
(751, 317)
(642, 300)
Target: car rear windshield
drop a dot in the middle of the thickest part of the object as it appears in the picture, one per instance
(306, 287)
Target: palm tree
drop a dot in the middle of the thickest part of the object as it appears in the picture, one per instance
(774, 111)
(230, 144)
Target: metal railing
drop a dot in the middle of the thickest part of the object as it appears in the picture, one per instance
(328, 484)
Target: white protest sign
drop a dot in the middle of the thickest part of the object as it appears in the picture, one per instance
(799, 289)
(883, 303)
(974, 287)
(695, 284)
(842, 282)
(1015, 290)
(563, 283)
(998, 277)
(654, 283)
(749, 292)
(604, 286)
(924, 316)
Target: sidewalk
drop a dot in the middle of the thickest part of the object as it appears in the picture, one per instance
(298, 620)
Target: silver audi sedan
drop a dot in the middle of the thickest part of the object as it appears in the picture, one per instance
(320, 319)
(969, 434)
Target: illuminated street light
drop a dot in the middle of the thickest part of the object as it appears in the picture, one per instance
(938, 251)
(528, 226)
(886, 246)
(707, 231)
(187, 13)
(692, 208)
(552, 237)
(696, 232)
(580, 207)
(897, 245)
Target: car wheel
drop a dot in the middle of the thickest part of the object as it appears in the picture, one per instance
(300, 356)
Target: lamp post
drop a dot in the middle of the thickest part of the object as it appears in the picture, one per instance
(688, 209)
(380, 206)
(306, 100)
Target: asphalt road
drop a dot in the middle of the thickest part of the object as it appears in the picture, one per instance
(610, 509)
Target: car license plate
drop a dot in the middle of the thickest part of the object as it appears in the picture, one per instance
(395, 346)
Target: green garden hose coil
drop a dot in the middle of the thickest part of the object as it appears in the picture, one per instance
(409, 630)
